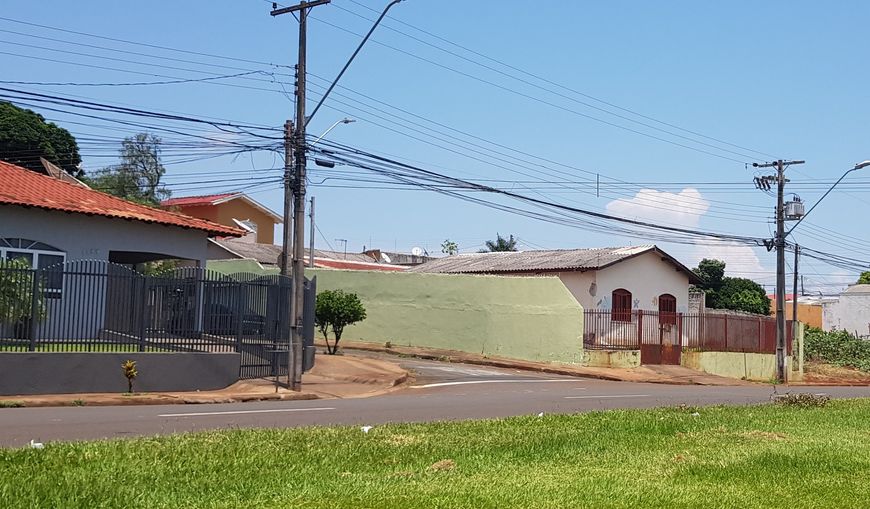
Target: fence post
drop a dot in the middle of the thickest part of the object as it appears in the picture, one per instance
(241, 298)
(680, 329)
(143, 311)
(639, 328)
(34, 309)
(726, 331)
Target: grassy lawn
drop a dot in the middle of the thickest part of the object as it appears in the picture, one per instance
(761, 456)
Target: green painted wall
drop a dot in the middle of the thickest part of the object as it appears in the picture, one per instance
(611, 358)
(533, 318)
(749, 366)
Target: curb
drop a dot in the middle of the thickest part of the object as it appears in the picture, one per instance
(156, 399)
(509, 364)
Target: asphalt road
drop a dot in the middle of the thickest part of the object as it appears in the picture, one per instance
(441, 392)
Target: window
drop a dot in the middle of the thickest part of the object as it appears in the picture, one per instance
(37, 256)
(667, 309)
(621, 311)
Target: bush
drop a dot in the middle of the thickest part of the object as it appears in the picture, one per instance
(335, 310)
(837, 347)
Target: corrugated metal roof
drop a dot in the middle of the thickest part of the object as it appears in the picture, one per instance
(20, 186)
(270, 254)
(541, 261)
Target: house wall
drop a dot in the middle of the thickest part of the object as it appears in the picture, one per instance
(84, 237)
(850, 313)
(533, 318)
(645, 276)
(224, 213)
(810, 314)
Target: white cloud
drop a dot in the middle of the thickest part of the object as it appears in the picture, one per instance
(682, 209)
(685, 209)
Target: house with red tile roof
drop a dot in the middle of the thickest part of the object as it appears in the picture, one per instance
(230, 209)
(46, 220)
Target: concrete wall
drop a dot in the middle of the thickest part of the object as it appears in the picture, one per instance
(748, 366)
(68, 373)
(850, 313)
(84, 237)
(524, 318)
(612, 358)
(533, 318)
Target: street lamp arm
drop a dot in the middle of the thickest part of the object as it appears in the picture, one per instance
(342, 121)
(340, 74)
(857, 167)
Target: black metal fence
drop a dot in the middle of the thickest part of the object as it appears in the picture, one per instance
(97, 306)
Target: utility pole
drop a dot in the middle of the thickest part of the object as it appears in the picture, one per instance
(779, 245)
(311, 235)
(794, 295)
(299, 152)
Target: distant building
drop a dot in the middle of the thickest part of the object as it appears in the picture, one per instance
(620, 279)
(850, 311)
(398, 258)
(237, 210)
(809, 308)
(269, 256)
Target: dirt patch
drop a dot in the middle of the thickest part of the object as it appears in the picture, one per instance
(442, 466)
(821, 372)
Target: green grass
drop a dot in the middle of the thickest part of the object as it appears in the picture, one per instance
(747, 457)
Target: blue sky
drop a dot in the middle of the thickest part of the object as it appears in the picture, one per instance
(784, 79)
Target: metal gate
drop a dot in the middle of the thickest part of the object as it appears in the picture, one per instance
(661, 337)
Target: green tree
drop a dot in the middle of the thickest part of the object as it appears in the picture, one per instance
(735, 293)
(449, 247)
(864, 279)
(25, 136)
(138, 176)
(336, 309)
(500, 244)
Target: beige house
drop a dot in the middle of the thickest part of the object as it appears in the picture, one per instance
(236, 210)
(620, 279)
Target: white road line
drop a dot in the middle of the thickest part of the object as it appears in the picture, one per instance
(611, 396)
(236, 412)
(471, 382)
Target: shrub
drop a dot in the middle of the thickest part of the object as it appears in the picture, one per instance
(837, 347)
(336, 309)
(130, 372)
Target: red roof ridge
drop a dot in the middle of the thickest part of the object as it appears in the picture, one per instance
(22, 187)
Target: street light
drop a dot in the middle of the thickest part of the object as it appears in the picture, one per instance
(345, 120)
(858, 166)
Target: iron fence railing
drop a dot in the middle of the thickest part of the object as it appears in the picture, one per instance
(722, 332)
(97, 306)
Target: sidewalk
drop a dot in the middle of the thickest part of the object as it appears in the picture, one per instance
(675, 375)
(331, 377)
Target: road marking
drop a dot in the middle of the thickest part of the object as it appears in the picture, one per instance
(471, 382)
(612, 396)
(236, 412)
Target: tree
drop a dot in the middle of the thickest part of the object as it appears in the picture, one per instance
(25, 136)
(336, 309)
(449, 247)
(138, 176)
(500, 244)
(711, 272)
(735, 293)
(864, 279)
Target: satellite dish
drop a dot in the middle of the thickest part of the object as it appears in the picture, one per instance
(386, 258)
(417, 251)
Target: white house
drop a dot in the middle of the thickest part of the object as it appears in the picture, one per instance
(621, 279)
(850, 312)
